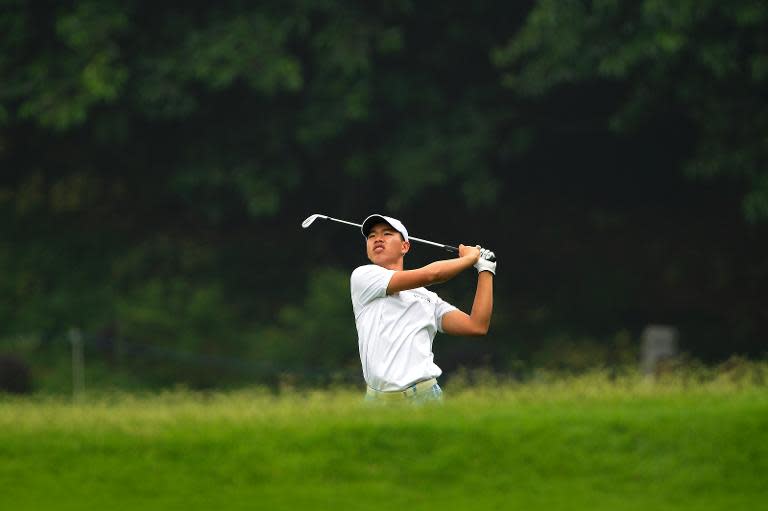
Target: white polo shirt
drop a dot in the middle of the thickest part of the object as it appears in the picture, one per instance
(395, 332)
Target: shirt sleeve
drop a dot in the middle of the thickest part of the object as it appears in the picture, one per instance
(441, 309)
(368, 283)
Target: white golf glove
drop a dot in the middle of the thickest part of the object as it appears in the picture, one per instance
(487, 261)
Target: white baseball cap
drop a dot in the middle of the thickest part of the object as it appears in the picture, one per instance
(377, 219)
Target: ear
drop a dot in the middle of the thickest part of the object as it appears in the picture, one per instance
(406, 247)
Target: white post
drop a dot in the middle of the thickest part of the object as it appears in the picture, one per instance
(78, 363)
(659, 342)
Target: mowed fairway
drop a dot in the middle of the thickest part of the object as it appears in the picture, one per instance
(581, 444)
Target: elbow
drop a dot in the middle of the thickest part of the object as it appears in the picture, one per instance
(479, 330)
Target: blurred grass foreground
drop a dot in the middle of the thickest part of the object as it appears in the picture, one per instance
(594, 441)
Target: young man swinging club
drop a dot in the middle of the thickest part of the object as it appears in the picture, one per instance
(397, 318)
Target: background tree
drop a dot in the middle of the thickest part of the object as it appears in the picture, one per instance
(157, 160)
(701, 66)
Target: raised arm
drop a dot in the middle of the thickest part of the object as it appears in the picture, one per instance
(479, 320)
(433, 273)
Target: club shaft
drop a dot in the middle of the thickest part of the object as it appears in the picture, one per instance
(449, 248)
(344, 222)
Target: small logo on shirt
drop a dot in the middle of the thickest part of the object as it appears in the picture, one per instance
(421, 296)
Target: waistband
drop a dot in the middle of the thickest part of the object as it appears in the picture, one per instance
(405, 393)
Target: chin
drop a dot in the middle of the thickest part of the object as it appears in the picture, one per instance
(379, 259)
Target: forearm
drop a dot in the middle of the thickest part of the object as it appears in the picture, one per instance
(449, 268)
(482, 307)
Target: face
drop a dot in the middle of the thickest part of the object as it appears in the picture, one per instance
(385, 246)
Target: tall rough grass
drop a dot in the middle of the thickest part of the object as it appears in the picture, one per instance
(464, 390)
(615, 440)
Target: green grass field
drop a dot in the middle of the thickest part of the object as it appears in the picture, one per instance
(582, 443)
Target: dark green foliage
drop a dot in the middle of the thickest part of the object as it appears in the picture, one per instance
(705, 63)
(316, 335)
(155, 163)
(15, 376)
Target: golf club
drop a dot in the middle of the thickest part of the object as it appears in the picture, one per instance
(311, 219)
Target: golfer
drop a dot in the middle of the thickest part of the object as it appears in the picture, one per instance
(397, 318)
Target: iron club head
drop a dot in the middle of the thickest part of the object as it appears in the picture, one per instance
(310, 219)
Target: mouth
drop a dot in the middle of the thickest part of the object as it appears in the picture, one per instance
(378, 248)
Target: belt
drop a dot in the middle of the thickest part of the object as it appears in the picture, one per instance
(405, 393)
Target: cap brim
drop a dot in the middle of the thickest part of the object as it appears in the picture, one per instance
(374, 219)
(371, 221)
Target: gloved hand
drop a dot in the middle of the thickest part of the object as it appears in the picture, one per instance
(487, 261)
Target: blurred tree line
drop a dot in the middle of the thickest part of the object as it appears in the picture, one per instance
(157, 160)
